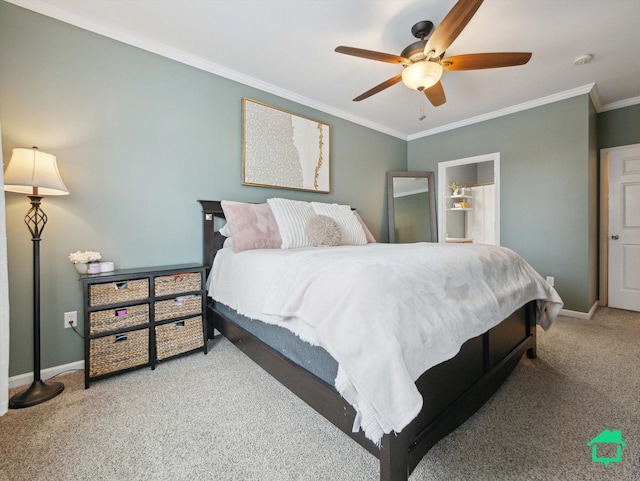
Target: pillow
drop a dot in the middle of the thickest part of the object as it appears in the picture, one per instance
(323, 231)
(225, 230)
(352, 232)
(367, 232)
(228, 242)
(252, 226)
(292, 217)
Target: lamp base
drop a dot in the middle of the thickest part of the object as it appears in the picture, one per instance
(38, 392)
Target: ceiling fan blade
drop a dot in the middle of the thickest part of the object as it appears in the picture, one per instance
(435, 94)
(378, 88)
(475, 61)
(370, 54)
(451, 26)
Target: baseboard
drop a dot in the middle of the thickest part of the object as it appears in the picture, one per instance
(27, 377)
(580, 315)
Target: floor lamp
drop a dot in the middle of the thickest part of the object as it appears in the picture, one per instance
(34, 173)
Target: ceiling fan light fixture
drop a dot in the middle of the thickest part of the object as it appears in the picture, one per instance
(422, 75)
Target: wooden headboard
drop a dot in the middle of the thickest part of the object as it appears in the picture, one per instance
(211, 240)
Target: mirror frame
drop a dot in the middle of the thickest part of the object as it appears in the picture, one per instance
(432, 201)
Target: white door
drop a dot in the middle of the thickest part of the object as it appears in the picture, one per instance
(624, 228)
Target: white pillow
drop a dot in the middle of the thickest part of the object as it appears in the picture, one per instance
(225, 231)
(292, 217)
(352, 232)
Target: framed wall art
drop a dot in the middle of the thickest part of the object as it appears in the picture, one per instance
(283, 150)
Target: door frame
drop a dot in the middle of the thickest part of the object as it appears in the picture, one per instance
(604, 222)
(442, 189)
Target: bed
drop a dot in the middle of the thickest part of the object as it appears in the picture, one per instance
(450, 391)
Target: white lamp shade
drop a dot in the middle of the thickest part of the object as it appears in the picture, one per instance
(29, 168)
(422, 75)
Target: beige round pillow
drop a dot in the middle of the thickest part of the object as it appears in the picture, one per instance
(323, 231)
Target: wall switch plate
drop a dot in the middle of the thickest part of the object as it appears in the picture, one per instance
(70, 319)
(550, 280)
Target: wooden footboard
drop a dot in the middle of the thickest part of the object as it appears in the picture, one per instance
(452, 391)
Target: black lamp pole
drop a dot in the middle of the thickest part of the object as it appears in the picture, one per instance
(39, 391)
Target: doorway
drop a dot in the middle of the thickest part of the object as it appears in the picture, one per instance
(469, 200)
(620, 227)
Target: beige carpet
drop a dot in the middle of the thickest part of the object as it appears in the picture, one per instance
(220, 417)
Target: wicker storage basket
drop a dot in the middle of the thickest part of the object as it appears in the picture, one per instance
(177, 283)
(117, 319)
(178, 337)
(115, 292)
(178, 307)
(120, 351)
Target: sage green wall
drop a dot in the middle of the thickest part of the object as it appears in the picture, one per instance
(548, 192)
(619, 127)
(139, 138)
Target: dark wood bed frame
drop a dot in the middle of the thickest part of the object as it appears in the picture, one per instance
(452, 391)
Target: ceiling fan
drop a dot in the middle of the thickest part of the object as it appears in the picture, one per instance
(424, 61)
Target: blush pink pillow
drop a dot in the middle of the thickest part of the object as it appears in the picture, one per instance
(367, 232)
(252, 226)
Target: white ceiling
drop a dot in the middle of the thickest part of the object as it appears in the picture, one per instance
(286, 47)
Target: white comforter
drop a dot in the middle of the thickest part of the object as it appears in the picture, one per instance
(385, 312)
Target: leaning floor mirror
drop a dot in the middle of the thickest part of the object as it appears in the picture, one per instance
(412, 207)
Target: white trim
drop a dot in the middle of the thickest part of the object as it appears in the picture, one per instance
(581, 315)
(620, 104)
(181, 56)
(442, 189)
(595, 98)
(603, 235)
(27, 377)
(586, 89)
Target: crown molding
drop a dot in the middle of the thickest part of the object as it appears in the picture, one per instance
(58, 13)
(167, 51)
(620, 104)
(586, 89)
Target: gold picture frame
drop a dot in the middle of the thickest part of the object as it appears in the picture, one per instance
(284, 150)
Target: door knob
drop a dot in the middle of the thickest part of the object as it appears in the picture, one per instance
(614, 237)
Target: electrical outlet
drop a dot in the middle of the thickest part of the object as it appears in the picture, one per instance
(70, 319)
(550, 280)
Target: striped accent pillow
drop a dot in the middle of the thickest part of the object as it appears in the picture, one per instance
(292, 217)
(352, 232)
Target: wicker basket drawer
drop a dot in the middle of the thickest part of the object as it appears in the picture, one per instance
(120, 351)
(178, 337)
(115, 292)
(177, 283)
(178, 307)
(117, 319)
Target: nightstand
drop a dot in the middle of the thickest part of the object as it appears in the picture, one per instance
(138, 317)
